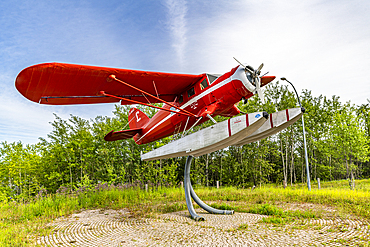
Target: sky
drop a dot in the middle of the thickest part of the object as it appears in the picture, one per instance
(321, 46)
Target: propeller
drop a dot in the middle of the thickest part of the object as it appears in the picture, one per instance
(256, 78)
(259, 90)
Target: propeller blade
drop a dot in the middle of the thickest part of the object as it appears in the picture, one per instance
(259, 90)
(239, 62)
(261, 95)
(247, 69)
(264, 74)
(260, 67)
(258, 71)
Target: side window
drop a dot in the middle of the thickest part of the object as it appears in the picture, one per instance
(203, 84)
(191, 92)
(181, 99)
(212, 78)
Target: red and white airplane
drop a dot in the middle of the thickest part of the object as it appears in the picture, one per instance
(188, 99)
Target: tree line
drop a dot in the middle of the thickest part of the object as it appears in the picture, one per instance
(74, 154)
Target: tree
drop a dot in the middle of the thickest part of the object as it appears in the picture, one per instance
(350, 140)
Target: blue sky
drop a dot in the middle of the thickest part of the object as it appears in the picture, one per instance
(322, 46)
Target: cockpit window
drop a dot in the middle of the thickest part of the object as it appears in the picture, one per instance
(212, 78)
(191, 92)
(181, 99)
(203, 84)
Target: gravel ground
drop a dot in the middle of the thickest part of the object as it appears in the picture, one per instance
(119, 228)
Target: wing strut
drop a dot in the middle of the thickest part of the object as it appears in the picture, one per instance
(155, 89)
(113, 77)
(141, 103)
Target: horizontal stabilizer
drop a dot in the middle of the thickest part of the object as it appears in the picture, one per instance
(121, 135)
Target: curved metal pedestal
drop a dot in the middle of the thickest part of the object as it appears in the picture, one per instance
(189, 193)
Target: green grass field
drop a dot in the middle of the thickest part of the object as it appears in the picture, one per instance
(22, 222)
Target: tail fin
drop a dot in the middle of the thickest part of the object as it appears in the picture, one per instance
(137, 118)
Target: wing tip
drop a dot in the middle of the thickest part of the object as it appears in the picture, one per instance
(22, 84)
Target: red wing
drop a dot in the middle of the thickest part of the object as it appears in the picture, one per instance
(63, 84)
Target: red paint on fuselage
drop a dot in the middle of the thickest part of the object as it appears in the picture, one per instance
(215, 99)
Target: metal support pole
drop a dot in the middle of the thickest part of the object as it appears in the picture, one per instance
(189, 193)
(205, 206)
(187, 187)
(306, 156)
(304, 137)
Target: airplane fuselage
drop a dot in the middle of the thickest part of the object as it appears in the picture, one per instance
(210, 95)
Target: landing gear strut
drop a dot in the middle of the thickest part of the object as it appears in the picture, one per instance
(189, 193)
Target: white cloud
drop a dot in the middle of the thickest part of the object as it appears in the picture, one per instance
(319, 46)
(21, 119)
(177, 10)
(46, 31)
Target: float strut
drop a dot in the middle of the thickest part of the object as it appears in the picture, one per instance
(189, 193)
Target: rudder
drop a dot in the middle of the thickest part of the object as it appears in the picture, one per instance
(137, 118)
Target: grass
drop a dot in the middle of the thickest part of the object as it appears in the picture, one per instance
(19, 222)
(356, 202)
(280, 216)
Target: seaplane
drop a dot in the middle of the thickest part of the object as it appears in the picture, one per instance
(188, 100)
